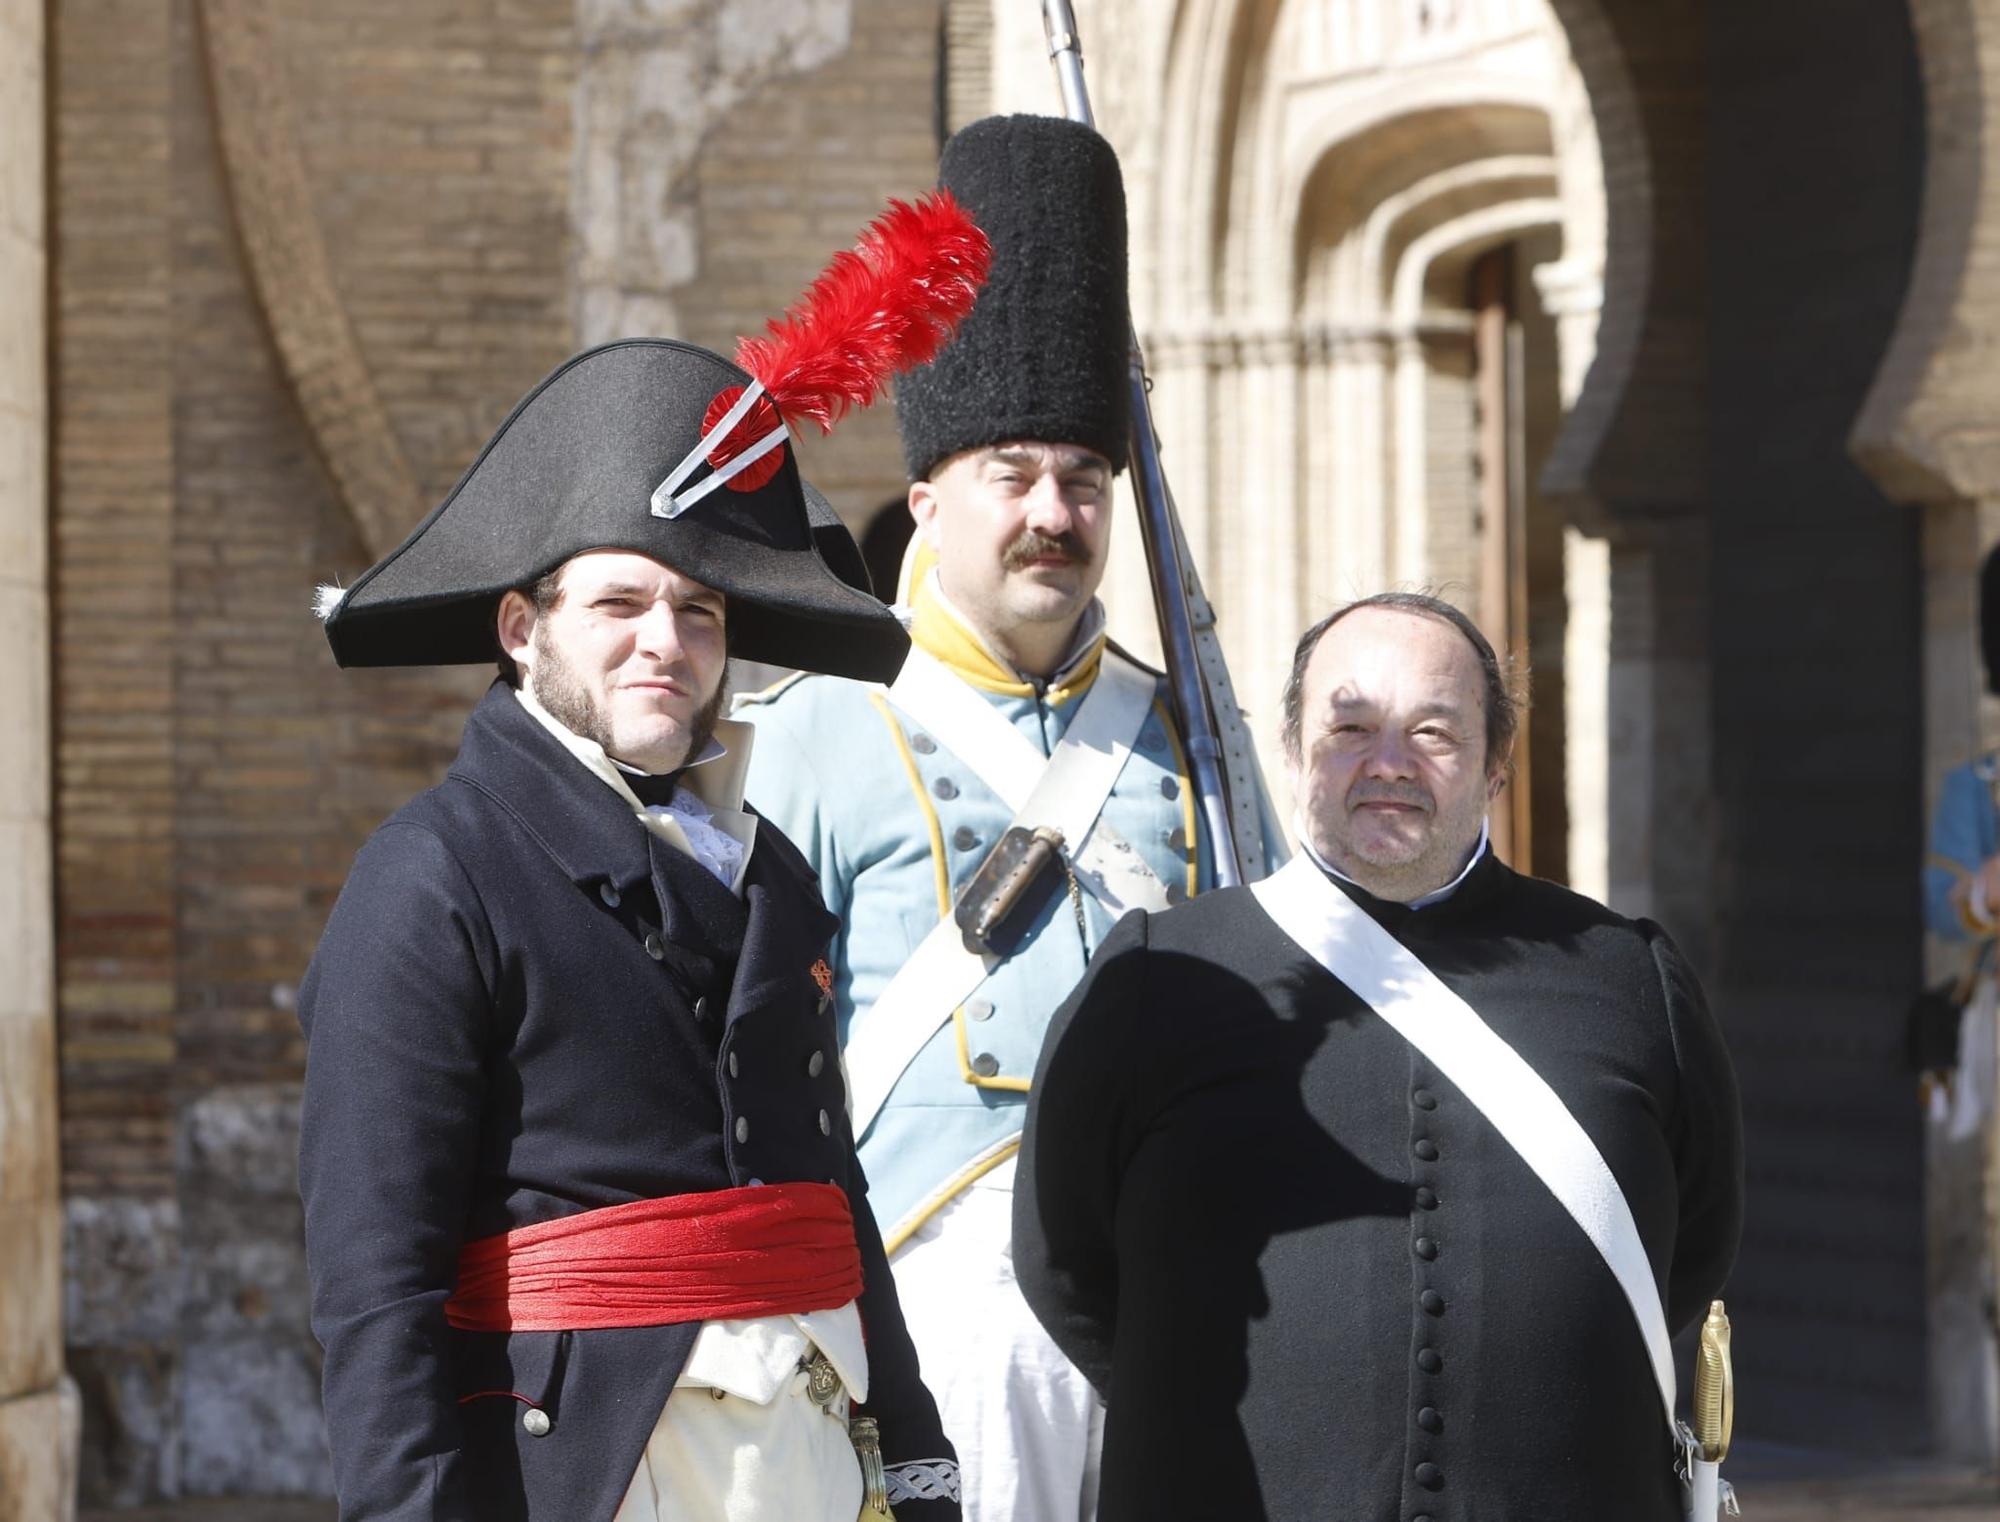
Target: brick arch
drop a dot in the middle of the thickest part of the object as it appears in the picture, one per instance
(1372, 157)
(1926, 431)
(1644, 379)
(286, 254)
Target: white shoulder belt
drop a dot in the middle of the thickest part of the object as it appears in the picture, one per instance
(1528, 1114)
(1067, 790)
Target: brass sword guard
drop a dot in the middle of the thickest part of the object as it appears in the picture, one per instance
(1714, 1387)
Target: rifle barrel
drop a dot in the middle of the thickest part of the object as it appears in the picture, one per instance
(1159, 526)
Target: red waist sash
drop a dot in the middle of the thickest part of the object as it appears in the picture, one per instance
(770, 1250)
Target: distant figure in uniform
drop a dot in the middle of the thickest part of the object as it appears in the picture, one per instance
(900, 796)
(1953, 1035)
(1277, 1213)
(587, 1232)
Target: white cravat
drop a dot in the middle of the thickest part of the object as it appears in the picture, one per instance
(752, 1358)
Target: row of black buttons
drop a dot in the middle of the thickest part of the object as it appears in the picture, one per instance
(1425, 1247)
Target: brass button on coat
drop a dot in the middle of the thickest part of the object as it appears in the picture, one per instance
(979, 1009)
(535, 1422)
(732, 1064)
(1427, 1249)
(1427, 1199)
(964, 838)
(1426, 1149)
(1425, 1099)
(922, 744)
(1430, 1360)
(610, 896)
(945, 788)
(825, 1124)
(1432, 1302)
(1430, 1419)
(986, 1065)
(742, 1128)
(815, 1064)
(655, 947)
(1430, 1477)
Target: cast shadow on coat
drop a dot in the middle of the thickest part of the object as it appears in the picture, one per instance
(1217, 1158)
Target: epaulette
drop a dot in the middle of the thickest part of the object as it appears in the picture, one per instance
(777, 689)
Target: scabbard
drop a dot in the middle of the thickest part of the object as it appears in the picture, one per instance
(1704, 1490)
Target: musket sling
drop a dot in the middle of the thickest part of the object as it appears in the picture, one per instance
(1067, 790)
(1529, 1115)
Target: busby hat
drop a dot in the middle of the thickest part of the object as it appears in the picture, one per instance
(667, 450)
(1045, 354)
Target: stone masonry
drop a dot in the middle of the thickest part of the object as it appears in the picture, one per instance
(37, 1402)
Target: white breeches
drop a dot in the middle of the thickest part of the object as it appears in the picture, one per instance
(716, 1457)
(1028, 1427)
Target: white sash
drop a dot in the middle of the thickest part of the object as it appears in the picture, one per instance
(1334, 931)
(978, 734)
(1066, 790)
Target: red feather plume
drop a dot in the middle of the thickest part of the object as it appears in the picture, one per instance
(887, 304)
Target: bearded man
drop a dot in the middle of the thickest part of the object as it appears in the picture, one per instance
(587, 1232)
(1375, 1190)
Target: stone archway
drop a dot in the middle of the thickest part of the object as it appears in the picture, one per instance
(1291, 169)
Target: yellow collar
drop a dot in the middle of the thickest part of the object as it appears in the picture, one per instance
(946, 634)
(716, 777)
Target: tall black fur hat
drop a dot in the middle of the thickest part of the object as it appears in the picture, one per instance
(1045, 354)
(575, 468)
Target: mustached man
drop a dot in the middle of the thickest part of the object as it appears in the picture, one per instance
(1014, 713)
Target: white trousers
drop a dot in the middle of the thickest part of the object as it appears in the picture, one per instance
(717, 1457)
(1028, 1427)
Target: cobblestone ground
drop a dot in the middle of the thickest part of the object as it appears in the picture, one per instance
(1791, 1485)
(1907, 1497)
(1772, 1490)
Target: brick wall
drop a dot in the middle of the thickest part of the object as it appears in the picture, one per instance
(1814, 628)
(216, 773)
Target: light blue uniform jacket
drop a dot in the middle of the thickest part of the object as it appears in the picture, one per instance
(1965, 830)
(895, 825)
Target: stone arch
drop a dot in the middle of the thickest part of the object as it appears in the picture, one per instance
(1262, 283)
(1926, 431)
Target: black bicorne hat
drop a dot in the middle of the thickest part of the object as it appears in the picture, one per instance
(575, 468)
(1046, 353)
(667, 450)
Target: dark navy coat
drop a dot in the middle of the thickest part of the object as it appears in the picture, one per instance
(526, 1005)
(1312, 1280)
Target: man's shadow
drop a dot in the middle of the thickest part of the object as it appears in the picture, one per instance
(1222, 1158)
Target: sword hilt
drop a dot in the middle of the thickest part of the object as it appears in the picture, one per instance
(1714, 1387)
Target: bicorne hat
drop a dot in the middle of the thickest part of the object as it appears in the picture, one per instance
(667, 450)
(1046, 353)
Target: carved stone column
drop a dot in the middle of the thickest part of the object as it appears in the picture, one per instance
(38, 1406)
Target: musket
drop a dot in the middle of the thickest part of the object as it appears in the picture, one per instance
(1197, 677)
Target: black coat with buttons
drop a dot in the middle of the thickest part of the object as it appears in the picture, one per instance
(1311, 1280)
(526, 1005)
